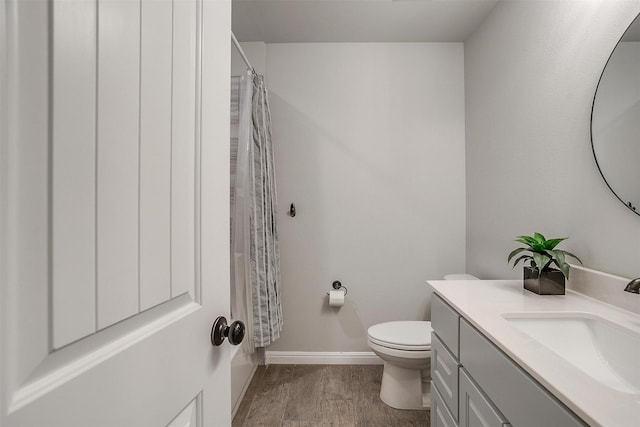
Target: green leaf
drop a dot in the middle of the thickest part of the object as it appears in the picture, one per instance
(552, 243)
(520, 258)
(572, 256)
(558, 255)
(541, 260)
(524, 237)
(527, 240)
(539, 247)
(515, 252)
(564, 267)
(535, 245)
(539, 237)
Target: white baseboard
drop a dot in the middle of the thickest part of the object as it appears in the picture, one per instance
(322, 358)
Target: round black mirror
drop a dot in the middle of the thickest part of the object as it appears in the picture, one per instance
(615, 120)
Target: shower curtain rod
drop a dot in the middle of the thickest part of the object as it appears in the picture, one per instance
(241, 52)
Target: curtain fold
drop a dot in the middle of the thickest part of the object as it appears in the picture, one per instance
(255, 248)
(241, 95)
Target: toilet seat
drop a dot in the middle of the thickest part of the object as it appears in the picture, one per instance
(402, 335)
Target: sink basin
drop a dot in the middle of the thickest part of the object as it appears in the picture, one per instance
(607, 352)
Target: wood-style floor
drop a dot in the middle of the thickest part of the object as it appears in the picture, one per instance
(320, 395)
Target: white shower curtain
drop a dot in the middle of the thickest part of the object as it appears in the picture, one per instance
(254, 235)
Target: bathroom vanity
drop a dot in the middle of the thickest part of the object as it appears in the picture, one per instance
(503, 356)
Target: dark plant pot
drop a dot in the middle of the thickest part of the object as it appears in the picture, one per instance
(549, 282)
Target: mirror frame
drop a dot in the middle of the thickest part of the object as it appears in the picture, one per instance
(628, 205)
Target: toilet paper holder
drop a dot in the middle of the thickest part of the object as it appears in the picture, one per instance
(337, 286)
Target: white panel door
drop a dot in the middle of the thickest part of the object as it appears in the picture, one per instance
(114, 178)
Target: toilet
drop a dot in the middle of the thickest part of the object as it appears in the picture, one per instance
(405, 348)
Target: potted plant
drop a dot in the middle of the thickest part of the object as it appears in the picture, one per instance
(539, 276)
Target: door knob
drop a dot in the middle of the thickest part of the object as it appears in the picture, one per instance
(220, 330)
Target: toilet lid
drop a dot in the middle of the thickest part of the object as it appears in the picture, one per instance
(403, 335)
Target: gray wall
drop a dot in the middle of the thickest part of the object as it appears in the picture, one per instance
(369, 145)
(530, 74)
(256, 52)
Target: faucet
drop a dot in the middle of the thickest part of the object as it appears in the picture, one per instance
(633, 286)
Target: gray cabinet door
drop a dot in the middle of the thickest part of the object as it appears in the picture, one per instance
(440, 415)
(476, 410)
(444, 374)
(520, 398)
(445, 322)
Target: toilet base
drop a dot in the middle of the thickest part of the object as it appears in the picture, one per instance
(404, 388)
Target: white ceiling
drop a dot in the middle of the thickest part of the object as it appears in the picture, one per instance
(304, 21)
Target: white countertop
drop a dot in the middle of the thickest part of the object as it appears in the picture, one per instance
(481, 303)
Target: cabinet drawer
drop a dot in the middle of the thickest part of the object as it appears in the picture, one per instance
(523, 401)
(444, 320)
(475, 408)
(444, 374)
(440, 415)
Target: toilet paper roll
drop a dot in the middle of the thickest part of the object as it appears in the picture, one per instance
(336, 298)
